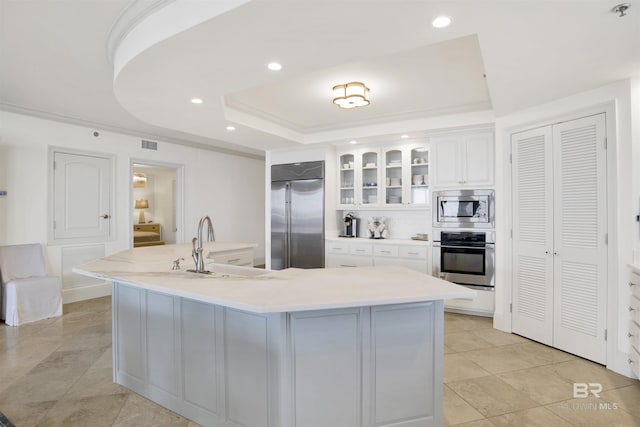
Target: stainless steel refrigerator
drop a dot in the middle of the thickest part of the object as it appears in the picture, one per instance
(297, 215)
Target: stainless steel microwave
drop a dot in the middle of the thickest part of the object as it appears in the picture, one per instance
(463, 209)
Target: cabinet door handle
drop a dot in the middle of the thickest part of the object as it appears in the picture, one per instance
(346, 265)
(359, 250)
(386, 252)
(413, 253)
(234, 260)
(105, 216)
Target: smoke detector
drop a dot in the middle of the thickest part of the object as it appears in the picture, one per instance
(621, 9)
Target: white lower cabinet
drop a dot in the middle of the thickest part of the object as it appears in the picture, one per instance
(367, 253)
(634, 324)
(221, 367)
(482, 305)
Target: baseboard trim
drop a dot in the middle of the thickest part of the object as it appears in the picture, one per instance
(86, 292)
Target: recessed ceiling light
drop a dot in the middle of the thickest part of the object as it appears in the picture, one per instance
(274, 66)
(405, 136)
(196, 101)
(353, 141)
(231, 128)
(441, 22)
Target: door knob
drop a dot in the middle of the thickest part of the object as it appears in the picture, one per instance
(105, 216)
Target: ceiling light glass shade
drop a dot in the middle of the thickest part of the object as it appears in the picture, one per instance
(351, 95)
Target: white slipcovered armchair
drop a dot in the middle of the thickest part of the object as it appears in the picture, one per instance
(28, 294)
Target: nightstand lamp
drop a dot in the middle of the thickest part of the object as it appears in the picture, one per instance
(142, 204)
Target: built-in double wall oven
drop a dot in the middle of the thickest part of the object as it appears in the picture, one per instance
(463, 237)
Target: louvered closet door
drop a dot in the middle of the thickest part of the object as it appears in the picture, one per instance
(532, 184)
(580, 253)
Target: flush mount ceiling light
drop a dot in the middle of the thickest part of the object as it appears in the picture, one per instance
(231, 128)
(441, 22)
(274, 66)
(353, 142)
(351, 95)
(405, 136)
(196, 101)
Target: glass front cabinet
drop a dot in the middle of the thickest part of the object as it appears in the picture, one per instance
(417, 174)
(391, 177)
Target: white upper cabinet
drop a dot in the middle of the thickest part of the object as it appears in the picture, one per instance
(394, 179)
(464, 160)
(358, 178)
(417, 175)
(390, 177)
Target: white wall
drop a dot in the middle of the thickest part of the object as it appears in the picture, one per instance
(228, 188)
(616, 100)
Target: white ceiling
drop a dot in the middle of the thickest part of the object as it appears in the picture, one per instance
(55, 63)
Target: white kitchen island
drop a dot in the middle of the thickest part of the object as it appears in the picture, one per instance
(306, 348)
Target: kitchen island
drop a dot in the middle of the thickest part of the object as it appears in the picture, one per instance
(243, 346)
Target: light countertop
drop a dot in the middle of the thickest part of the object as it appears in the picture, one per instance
(274, 291)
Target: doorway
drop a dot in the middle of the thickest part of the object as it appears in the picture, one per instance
(156, 201)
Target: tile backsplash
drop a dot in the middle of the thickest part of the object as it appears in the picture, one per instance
(400, 224)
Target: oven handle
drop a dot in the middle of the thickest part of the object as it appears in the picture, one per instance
(488, 246)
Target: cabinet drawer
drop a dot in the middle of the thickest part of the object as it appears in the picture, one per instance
(338, 247)
(634, 361)
(385, 250)
(416, 252)
(155, 228)
(361, 249)
(634, 308)
(634, 283)
(333, 261)
(244, 258)
(634, 334)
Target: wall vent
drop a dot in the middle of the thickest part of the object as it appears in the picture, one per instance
(149, 145)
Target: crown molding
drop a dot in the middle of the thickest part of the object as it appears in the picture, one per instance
(13, 108)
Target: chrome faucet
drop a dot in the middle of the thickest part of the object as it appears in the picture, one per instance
(196, 253)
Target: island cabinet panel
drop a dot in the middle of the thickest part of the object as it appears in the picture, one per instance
(162, 365)
(129, 325)
(327, 368)
(199, 353)
(246, 362)
(405, 365)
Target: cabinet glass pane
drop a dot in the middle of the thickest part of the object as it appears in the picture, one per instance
(369, 178)
(393, 177)
(347, 179)
(419, 176)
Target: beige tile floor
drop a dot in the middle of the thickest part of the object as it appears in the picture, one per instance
(57, 372)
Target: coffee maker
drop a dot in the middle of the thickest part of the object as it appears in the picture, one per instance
(350, 226)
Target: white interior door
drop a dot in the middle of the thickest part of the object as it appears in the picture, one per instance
(533, 235)
(82, 197)
(580, 225)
